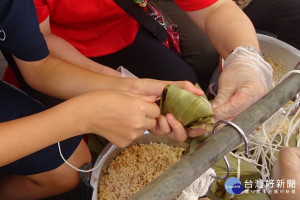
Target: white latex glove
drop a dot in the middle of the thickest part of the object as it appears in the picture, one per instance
(245, 78)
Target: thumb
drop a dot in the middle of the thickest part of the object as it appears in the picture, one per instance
(223, 96)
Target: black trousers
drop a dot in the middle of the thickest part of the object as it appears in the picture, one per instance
(147, 57)
(278, 17)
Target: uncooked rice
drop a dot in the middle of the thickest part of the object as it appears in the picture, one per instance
(134, 168)
(279, 69)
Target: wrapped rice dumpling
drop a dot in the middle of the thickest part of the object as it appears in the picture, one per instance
(191, 110)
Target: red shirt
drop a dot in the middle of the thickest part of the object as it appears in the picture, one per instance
(192, 5)
(96, 27)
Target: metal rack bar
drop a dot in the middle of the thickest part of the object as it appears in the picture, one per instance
(171, 183)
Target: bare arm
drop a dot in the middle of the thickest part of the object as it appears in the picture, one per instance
(26, 135)
(116, 115)
(64, 50)
(246, 76)
(226, 25)
(64, 80)
(61, 79)
(103, 112)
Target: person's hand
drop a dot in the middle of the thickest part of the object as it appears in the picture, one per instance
(287, 168)
(119, 116)
(155, 87)
(245, 78)
(168, 125)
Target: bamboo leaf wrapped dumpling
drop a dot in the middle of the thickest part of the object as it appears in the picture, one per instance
(191, 110)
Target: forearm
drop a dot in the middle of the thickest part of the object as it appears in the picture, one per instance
(64, 50)
(26, 135)
(227, 26)
(64, 80)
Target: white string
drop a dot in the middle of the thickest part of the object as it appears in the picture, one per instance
(206, 101)
(291, 128)
(263, 145)
(80, 170)
(238, 174)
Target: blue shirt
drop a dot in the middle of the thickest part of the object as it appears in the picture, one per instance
(19, 30)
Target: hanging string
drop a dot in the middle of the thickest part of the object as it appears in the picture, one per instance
(265, 142)
(80, 170)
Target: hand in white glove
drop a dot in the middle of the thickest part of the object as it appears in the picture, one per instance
(287, 170)
(245, 78)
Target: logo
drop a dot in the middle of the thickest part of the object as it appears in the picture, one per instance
(233, 186)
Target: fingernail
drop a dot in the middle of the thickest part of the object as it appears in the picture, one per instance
(199, 92)
(170, 118)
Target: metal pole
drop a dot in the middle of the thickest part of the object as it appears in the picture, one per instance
(172, 182)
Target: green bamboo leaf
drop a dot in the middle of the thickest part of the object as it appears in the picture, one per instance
(217, 191)
(247, 173)
(195, 143)
(207, 122)
(187, 107)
